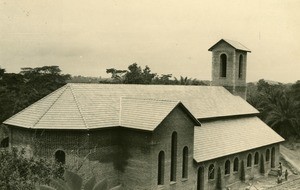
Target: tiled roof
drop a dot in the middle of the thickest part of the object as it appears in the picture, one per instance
(229, 136)
(88, 106)
(234, 44)
(146, 114)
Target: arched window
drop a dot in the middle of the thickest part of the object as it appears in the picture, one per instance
(236, 165)
(5, 143)
(161, 168)
(267, 155)
(60, 156)
(241, 66)
(227, 167)
(185, 160)
(256, 158)
(173, 156)
(211, 171)
(223, 65)
(249, 160)
(273, 157)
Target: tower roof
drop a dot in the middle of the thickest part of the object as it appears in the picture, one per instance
(236, 45)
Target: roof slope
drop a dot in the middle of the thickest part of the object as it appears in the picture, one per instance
(236, 45)
(82, 106)
(224, 137)
(135, 113)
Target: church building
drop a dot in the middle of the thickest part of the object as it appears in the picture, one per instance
(155, 136)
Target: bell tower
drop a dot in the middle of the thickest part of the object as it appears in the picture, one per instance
(229, 66)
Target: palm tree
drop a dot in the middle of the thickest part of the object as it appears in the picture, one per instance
(281, 112)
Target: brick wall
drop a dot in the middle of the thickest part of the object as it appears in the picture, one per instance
(130, 157)
(136, 155)
(253, 171)
(99, 146)
(232, 82)
(181, 123)
(125, 156)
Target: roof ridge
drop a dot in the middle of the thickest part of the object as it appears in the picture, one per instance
(152, 99)
(39, 119)
(234, 41)
(16, 114)
(79, 108)
(123, 84)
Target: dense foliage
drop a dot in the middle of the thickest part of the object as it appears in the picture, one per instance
(72, 181)
(136, 75)
(20, 173)
(279, 105)
(18, 91)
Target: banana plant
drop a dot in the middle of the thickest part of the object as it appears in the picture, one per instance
(74, 182)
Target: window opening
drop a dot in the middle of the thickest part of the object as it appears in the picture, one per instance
(227, 167)
(223, 65)
(249, 160)
(161, 168)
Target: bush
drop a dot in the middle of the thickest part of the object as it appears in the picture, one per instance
(73, 181)
(19, 172)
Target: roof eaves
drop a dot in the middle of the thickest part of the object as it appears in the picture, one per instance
(234, 44)
(212, 47)
(228, 42)
(207, 159)
(228, 116)
(197, 122)
(176, 104)
(179, 103)
(5, 122)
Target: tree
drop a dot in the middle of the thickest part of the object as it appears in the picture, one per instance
(18, 91)
(147, 75)
(163, 79)
(263, 86)
(73, 181)
(281, 113)
(2, 71)
(188, 81)
(278, 106)
(19, 172)
(295, 91)
(116, 75)
(134, 75)
(183, 81)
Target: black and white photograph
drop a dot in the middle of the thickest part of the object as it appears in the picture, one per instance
(149, 95)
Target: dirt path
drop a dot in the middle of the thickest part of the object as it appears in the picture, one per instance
(291, 156)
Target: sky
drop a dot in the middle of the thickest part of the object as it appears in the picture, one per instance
(170, 36)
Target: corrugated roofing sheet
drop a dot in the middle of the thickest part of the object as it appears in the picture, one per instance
(81, 106)
(229, 136)
(234, 44)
